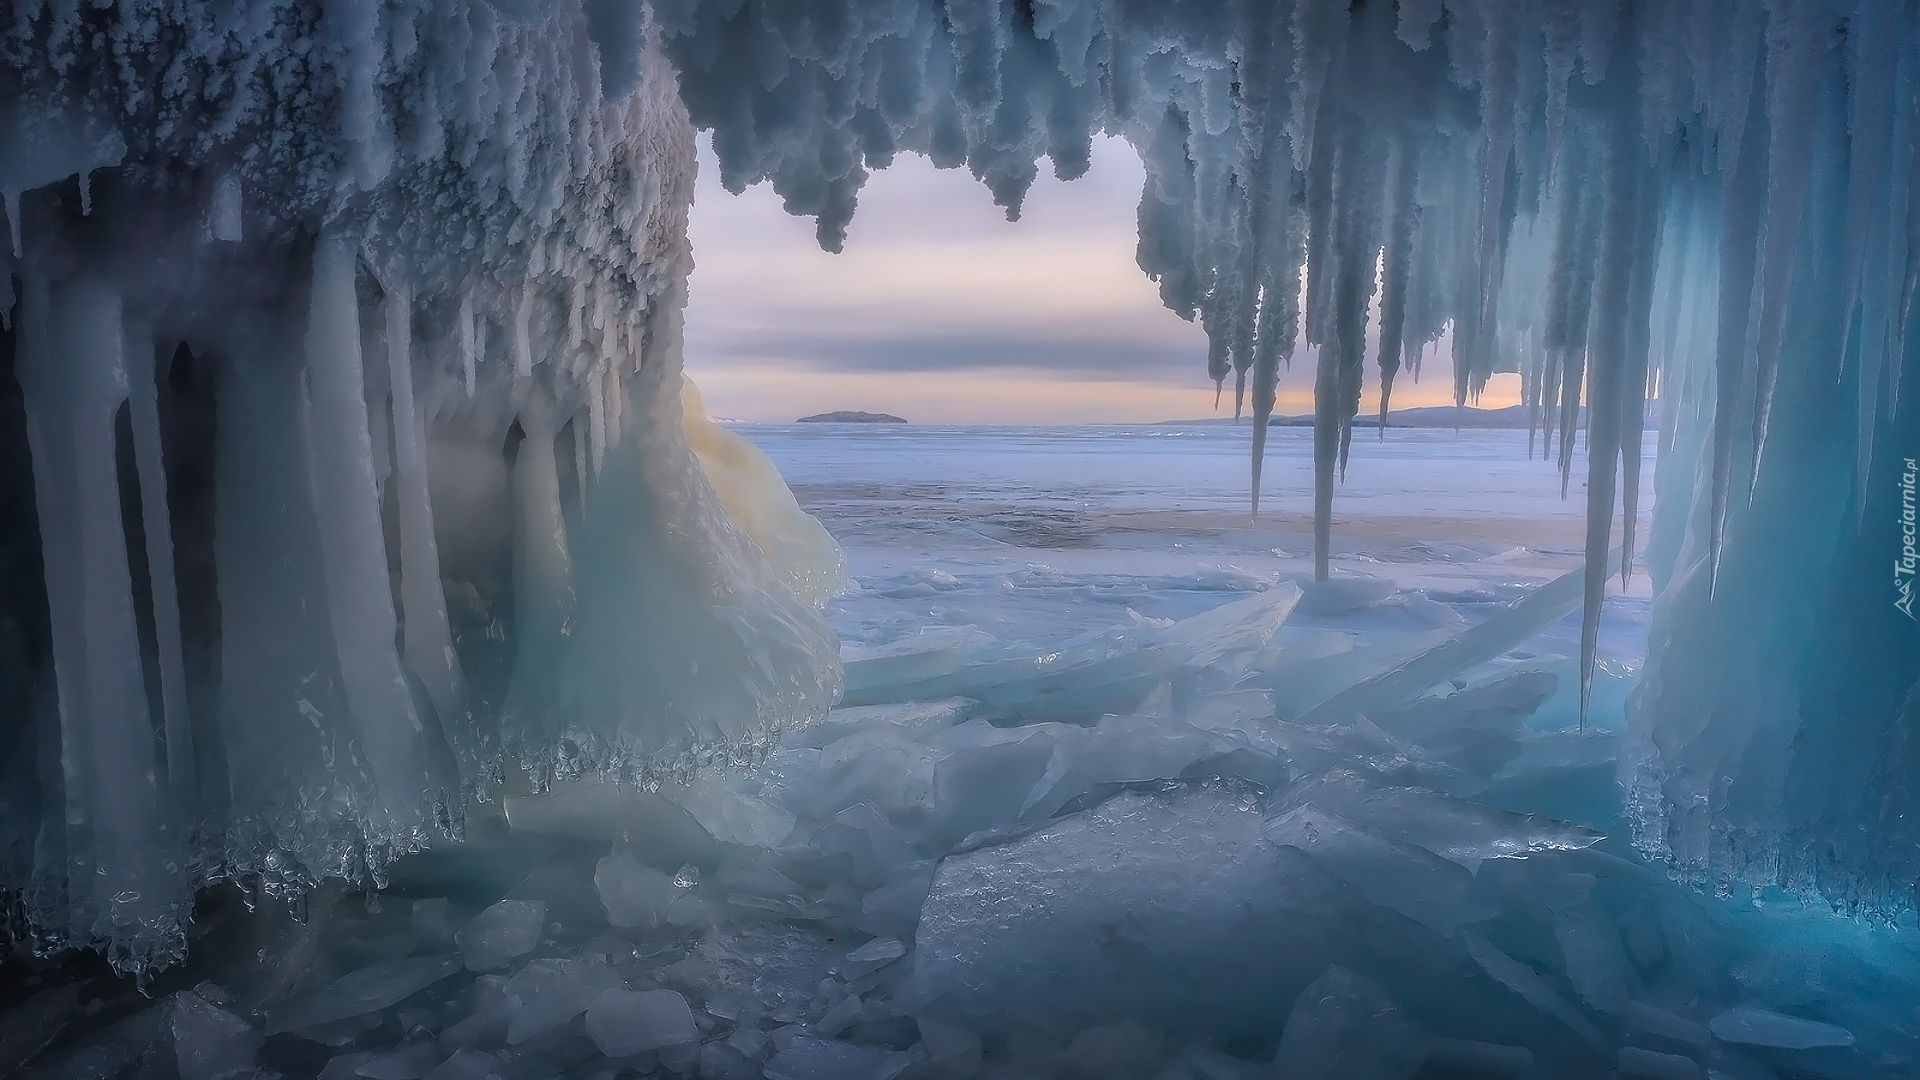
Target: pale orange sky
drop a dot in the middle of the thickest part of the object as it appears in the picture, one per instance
(942, 311)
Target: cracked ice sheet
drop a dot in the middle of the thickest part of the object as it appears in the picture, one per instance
(1035, 535)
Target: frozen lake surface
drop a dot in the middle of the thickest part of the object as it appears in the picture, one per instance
(1035, 534)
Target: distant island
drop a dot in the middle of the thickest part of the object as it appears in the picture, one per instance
(851, 417)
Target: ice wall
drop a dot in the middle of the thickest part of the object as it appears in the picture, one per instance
(342, 345)
(1708, 202)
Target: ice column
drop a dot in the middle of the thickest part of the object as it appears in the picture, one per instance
(122, 873)
(353, 552)
(426, 639)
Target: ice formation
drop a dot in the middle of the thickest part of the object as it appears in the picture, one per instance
(347, 348)
(1708, 202)
(350, 481)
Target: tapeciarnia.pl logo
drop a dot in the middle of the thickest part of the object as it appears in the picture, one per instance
(1905, 565)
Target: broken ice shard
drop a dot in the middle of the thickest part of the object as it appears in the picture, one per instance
(367, 990)
(625, 1022)
(1345, 1028)
(508, 929)
(1753, 1026)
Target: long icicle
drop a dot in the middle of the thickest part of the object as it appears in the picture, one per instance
(426, 639)
(353, 552)
(144, 407)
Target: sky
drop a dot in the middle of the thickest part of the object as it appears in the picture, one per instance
(942, 311)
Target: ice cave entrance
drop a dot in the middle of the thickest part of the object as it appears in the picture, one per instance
(402, 676)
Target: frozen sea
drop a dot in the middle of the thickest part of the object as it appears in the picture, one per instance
(1033, 535)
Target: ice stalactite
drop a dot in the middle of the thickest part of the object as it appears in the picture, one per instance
(543, 589)
(353, 557)
(426, 637)
(118, 876)
(1708, 204)
(144, 401)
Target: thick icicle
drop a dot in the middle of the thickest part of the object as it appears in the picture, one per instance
(120, 890)
(543, 589)
(426, 640)
(156, 522)
(353, 552)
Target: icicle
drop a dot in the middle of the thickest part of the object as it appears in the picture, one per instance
(1611, 302)
(1266, 363)
(1873, 120)
(353, 548)
(72, 372)
(1795, 47)
(144, 407)
(1637, 374)
(596, 420)
(1217, 367)
(580, 460)
(10, 201)
(615, 407)
(426, 640)
(1396, 259)
(522, 342)
(469, 346)
(576, 319)
(1326, 449)
(225, 220)
(1744, 195)
(542, 571)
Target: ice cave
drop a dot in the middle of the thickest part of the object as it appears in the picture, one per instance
(402, 677)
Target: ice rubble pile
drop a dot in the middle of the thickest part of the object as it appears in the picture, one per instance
(1712, 201)
(1022, 883)
(346, 461)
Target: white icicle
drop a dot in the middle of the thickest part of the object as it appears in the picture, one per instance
(74, 378)
(580, 459)
(426, 642)
(352, 544)
(224, 216)
(522, 342)
(543, 590)
(10, 201)
(469, 349)
(596, 420)
(144, 406)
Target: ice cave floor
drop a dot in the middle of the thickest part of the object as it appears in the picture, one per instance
(1117, 792)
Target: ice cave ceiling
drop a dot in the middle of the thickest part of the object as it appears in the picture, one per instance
(477, 212)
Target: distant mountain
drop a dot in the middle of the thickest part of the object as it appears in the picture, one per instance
(851, 417)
